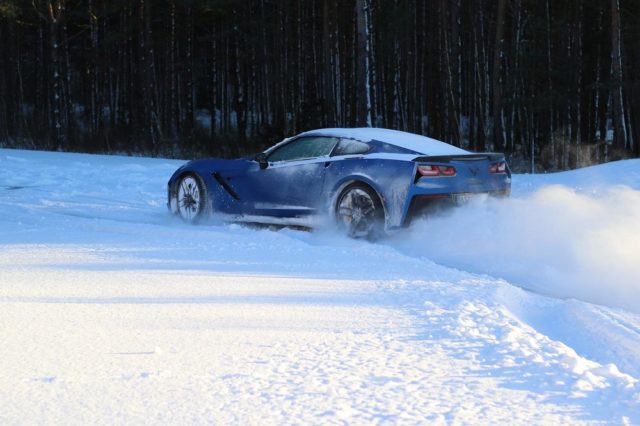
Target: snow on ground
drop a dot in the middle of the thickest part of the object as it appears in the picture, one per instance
(111, 311)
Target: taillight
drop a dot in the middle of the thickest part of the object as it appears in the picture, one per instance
(447, 171)
(500, 167)
(432, 171)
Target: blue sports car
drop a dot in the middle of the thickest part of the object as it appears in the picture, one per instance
(368, 180)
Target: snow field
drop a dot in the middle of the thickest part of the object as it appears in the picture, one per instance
(257, 350)
(113, 312)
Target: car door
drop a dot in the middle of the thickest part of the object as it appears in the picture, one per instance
(292, 183)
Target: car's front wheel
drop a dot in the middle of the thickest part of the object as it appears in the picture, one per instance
(191, 198)
(360, 212)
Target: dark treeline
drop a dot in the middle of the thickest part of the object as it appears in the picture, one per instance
(551, 83)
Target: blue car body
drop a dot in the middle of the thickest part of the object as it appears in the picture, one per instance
(279, 187)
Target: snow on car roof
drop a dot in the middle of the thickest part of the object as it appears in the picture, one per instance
(410, 141)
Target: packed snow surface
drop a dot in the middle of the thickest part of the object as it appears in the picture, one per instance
(519, 311)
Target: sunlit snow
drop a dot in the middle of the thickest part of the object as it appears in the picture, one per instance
(524, 311)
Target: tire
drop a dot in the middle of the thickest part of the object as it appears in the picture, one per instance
(359, 212)
(190, 198)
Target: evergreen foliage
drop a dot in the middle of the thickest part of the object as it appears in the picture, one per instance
(553, 84)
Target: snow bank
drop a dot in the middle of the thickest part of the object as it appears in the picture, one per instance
(557, 241)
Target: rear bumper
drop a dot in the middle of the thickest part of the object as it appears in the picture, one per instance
(422, 205)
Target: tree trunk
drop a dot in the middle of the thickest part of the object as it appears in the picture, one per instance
(57, 102)
(363, 108)
(497, 77)
(619, 127)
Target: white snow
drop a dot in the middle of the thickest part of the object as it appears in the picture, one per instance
(411, 141)
(112, 311)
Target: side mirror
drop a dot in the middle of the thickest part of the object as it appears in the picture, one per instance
(261, 158)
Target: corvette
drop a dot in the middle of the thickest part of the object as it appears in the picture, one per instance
(368, 180)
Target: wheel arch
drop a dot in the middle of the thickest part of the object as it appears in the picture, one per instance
(173, 190)
(351, 180)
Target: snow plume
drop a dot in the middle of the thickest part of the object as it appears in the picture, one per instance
(557, 241)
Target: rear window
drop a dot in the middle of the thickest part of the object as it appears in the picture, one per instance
(378, 146)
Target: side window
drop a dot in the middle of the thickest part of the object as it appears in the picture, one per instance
(305, 147)
(351, 147)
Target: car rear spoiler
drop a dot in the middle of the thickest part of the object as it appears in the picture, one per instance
(491, 156)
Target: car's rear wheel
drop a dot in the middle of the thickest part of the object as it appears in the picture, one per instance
(360, 212)
(191, 198)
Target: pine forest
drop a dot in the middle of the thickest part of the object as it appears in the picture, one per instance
(553, 84)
